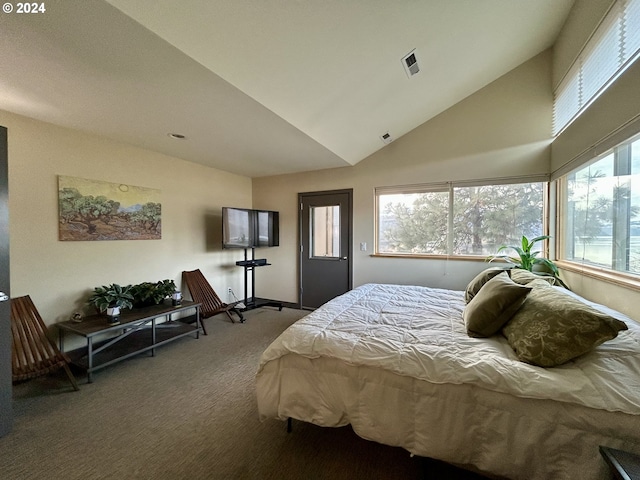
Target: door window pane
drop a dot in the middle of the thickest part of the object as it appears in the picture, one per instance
(325, 231)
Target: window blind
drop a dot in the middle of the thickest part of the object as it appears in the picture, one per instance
(631, 30)
(603, 55)
(611, 49)
(568, 98)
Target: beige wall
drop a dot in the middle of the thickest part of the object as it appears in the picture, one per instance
(503, 130)
(59, 276)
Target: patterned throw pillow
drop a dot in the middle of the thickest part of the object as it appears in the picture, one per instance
(493, 306)
(552, 328)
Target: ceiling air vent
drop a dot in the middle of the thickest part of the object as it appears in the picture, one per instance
(386, 138)
(410, 63)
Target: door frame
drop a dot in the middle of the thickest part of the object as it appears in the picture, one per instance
(6, 384)
(301, 196)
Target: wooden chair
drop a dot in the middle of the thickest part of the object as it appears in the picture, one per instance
(202, 292)
(33, 351)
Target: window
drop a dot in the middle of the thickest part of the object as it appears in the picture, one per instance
(600, 208)
(325, 231)
(456, 219)
(613, 47)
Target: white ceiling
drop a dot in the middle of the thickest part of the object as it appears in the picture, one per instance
(261, 87)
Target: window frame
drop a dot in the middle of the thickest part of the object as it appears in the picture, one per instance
(449, 187)
(560, 188)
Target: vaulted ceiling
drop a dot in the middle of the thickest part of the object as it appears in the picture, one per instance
(261, 87)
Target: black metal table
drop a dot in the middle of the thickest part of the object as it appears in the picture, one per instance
(137, 332)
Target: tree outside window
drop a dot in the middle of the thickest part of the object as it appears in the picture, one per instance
(602, 211)
(463, 220)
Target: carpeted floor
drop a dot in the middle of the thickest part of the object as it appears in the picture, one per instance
(189, 412)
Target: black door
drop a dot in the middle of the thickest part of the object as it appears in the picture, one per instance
(6, 412)
(325, 246)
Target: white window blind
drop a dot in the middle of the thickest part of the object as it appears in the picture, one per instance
(631, 30)
(568, 98)
(611, 49)
(603, 55)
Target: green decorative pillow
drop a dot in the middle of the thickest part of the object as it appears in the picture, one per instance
(552, 328)
(523, 277)
(493, 306)
(476, 284)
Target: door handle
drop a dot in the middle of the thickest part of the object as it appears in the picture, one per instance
(343, 258)
(3, 297)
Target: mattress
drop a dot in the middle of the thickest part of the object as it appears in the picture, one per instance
(396, 363)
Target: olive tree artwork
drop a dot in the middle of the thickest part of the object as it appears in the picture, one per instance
(97, 210)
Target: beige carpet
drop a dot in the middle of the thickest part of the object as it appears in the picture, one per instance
(187, 413)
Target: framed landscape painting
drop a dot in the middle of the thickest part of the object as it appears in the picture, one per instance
(97, 210)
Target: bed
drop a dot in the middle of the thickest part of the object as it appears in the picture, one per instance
(398, 364)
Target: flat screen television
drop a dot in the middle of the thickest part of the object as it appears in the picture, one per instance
(267, 234)
(249, 228)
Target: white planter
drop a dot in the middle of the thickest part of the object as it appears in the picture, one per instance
(176, 298)
(113, 315)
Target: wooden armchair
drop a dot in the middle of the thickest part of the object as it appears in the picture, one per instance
(33, 351)
(202, 292)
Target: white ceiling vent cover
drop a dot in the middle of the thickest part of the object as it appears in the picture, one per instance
(410, 63)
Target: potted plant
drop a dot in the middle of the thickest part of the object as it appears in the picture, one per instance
(528, 259)
(149, 293)
(110, 299)
(165, 289)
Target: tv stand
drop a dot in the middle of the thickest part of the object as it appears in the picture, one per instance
(249, 265)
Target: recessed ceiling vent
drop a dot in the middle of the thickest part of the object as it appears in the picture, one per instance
(410, 63)
(386, 138)
(176, 136)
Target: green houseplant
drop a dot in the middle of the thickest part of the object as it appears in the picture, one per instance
(528, 259)
(149, 293)
(111, 298)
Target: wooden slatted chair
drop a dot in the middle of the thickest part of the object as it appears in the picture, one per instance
(33, 352)
(202, 292)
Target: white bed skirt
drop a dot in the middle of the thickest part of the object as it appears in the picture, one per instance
(493, 432)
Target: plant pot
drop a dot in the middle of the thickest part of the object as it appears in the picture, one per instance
(540, 268)
(176, 298)
(113, 315)
(145, 303)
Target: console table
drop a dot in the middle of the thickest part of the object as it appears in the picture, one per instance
(137, 332)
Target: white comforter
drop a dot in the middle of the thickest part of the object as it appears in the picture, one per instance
(418, 332)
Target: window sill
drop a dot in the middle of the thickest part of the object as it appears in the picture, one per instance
(617, 278)
(473, 258)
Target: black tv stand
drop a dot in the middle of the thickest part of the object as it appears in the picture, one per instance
(249, 265)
